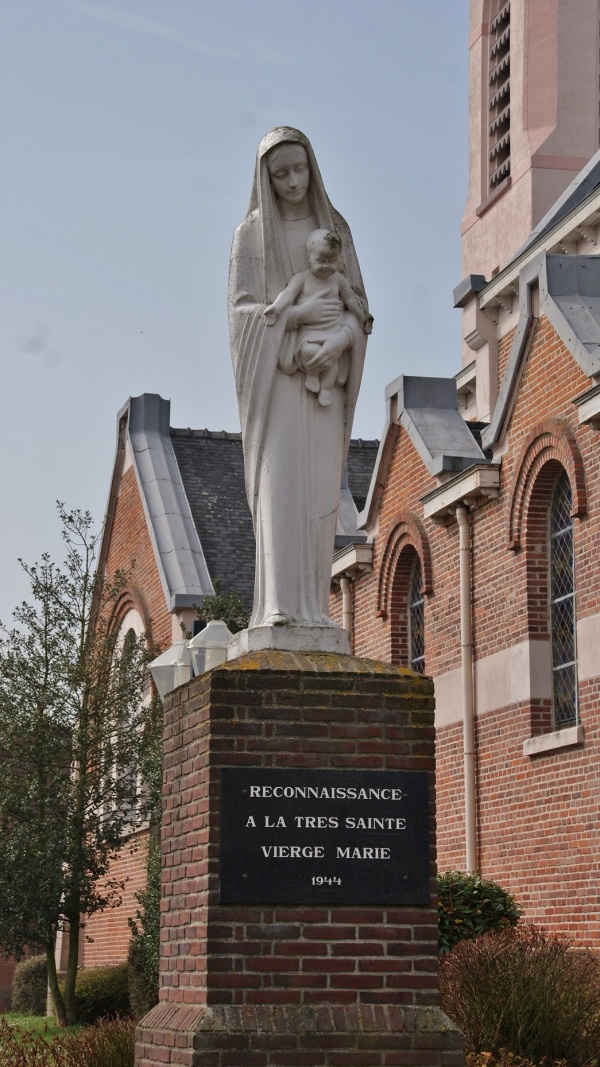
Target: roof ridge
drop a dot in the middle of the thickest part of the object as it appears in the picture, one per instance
(584, 183)
(229, 435)
(221, 435)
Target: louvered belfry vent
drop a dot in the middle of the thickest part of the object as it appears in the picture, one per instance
(499, 96)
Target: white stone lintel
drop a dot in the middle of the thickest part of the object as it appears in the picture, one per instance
(352, 561)
(588, 407)
(571, 735)
(296, 637)
(466, 378)
(472, 487)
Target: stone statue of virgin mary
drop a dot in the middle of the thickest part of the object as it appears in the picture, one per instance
(294, 448)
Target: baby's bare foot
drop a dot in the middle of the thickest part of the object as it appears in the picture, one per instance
(325, 398)
(312, 383)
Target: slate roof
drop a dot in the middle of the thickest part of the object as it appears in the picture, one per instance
(477, 429)
(361, 461)
(212, 471)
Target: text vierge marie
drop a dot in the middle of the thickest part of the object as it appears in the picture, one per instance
(307, 852)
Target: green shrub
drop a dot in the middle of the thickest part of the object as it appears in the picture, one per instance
(30, 986)
(143, 989)
(101, 992)
(469, 906)
(525, 992)
(143, 956)
(109, 1043)
(228, 607)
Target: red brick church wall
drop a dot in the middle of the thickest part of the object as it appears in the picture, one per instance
(108, 931)
(538, 831)
(129, 541)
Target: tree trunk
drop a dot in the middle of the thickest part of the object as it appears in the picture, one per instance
(58, 1003)
(72, 964)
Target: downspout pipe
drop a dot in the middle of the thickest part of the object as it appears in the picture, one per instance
(346, 588)
(466, 650)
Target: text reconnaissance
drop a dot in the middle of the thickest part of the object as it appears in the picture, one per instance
(294, 836)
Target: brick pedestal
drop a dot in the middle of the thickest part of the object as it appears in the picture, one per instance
(280, 985)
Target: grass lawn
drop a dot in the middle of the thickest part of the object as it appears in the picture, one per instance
(38, 1024)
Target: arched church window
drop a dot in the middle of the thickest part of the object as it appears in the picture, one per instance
(562, 606)
(128, 647)
(416, 620)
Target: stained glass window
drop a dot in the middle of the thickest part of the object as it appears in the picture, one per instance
(416, 620)
(562, 606)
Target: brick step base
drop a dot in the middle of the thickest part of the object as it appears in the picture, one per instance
(271, 1036)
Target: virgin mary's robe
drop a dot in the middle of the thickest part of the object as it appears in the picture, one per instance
(294, 449)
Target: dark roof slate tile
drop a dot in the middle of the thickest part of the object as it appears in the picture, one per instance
(212, 471)
(361, 461)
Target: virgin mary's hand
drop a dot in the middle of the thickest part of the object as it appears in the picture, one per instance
(328, 353)
(318, 311)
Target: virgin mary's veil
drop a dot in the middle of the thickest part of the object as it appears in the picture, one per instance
(277, 267)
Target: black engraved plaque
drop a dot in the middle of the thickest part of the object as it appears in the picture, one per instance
(324, 837)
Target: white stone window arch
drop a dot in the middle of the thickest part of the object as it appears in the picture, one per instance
(132, 627)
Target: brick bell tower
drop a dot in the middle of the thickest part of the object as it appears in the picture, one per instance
(534, 118)
(534, 121)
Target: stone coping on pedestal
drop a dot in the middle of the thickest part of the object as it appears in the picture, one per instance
(317, 663)
(299, 1018)
(295, 637)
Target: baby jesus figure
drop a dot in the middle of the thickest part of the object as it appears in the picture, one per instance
(322, 278)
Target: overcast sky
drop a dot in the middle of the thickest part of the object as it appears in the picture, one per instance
(129, 135)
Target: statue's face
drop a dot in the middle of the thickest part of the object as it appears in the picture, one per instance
(289, 172)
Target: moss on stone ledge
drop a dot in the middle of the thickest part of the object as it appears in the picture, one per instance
(318, 662)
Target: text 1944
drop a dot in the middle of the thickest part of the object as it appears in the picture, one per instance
(323, 879)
